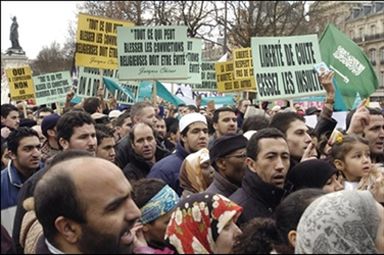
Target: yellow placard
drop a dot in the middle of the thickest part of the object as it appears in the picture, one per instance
(243, 64)
(20, 83)
(96, 41)
(226, 82)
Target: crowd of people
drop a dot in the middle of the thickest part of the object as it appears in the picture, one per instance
(153, 178)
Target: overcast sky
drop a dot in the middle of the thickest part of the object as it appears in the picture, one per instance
(40, 23)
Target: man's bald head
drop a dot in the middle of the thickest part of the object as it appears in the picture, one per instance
(84, 205)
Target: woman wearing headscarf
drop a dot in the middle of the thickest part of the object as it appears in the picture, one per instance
(348, 221)
(314, 173)
(196, 173)
(204, 223)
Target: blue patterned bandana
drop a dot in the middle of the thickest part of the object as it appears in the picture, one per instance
(163, 202)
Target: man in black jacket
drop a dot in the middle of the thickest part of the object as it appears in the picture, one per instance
(267, 165)
(144, 152)
(141, 112)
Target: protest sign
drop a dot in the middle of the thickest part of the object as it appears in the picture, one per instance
(20, 83)
(96, 41)
(208, 77)
(194, 54)
(52, 87)
(152, 53)
(243, 68)
(284, 66)
(224, 76)
(242, 59)
(90, 78)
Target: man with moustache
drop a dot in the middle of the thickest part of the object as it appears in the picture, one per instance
(262, 187)
(193, 137)
(227, 157)
(85, 209)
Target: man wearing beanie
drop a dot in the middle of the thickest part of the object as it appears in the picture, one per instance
(227, 156)
(193, 137)
(48, 128)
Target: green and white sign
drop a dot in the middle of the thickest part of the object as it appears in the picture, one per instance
(208, 77)
(90, 79)
(194, 54)
(152, 53)
(52, 87)
(284, 66)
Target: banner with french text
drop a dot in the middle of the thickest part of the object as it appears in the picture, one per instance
(208, 77)
(96, 41)
(52, 87)
(243, 68)
(284, 66)
(152, 53)
(20, 83)
(225, 78)
(90, 78)
(194, 54)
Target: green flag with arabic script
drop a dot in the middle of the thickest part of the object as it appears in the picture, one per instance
(354, 73)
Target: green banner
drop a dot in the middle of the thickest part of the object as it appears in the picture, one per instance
(284, 66)
(152, 53)
(354, 73)
(52, 87)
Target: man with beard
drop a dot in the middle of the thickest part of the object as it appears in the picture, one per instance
(227, 157)
(193, 137)
(74, 130)
(85, 209)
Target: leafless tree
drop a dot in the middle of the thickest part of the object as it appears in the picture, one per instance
(248, 19)
(123, 10)
(51, 59)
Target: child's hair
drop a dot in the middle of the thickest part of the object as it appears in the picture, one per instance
(344, 144)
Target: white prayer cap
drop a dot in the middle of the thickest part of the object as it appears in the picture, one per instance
(190, 118)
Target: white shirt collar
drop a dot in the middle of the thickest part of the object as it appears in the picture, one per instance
(52, 248)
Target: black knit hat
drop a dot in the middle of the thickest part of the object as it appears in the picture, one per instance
(49, 122)
(225, 145)
(312, 173)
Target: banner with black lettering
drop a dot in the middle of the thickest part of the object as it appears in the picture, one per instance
(243, 67)
(284, 66)
(194, 54)
(89, 80)
(152, 53)
(20, 83)
(52, 87)
(208, 77)
(96, 41)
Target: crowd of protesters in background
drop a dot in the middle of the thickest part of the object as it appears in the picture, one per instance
(164, 179)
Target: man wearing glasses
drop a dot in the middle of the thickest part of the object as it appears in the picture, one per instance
(227, 157)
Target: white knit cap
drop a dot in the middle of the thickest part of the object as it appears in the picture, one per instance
(190, 118)
(114, 114)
